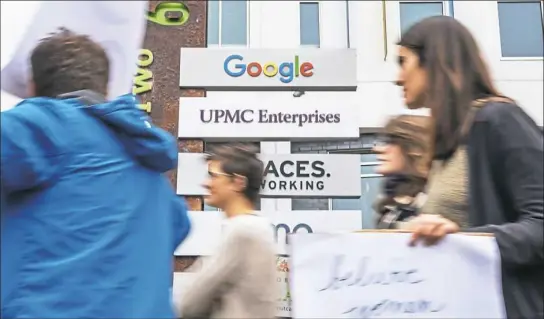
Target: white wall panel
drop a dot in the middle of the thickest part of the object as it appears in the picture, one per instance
(275, 24)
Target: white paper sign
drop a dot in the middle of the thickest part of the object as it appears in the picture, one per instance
(377, 275)
(119, 26)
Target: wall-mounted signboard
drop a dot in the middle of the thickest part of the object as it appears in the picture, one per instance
(268, 69)
(274, 119)
(286, 175)
(207, 226)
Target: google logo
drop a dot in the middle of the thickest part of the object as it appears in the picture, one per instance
(287, 70)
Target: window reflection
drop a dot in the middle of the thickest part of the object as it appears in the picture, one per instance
(227, 22)
(521, 29)
(371, 184)
(412, 12)
(309, 23)
(370, 188)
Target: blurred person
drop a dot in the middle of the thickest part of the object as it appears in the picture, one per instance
(404, 156)
(240, 281)
(487, 173)
(89, 223)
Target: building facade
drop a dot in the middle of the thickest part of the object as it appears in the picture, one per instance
(509, 34)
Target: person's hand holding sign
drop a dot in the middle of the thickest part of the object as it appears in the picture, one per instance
(430, 228)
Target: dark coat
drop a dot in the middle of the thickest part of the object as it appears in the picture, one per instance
(506, 198)
(399, 201)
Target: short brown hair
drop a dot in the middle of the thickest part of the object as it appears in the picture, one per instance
(241, 159)
(413, 134)
(66, 62)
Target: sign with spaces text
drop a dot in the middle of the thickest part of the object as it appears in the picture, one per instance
(285, 175)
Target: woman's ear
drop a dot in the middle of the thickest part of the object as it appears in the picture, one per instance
(240, 182)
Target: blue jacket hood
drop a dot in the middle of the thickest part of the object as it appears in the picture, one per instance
(152, 146)
(76, 200)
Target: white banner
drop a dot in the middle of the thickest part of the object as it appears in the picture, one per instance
(205, 234)
(285, 175)
(119, 26)
(268, 119)
(370, 275)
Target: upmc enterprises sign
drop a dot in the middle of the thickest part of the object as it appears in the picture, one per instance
(273, 119)
(268, 69)
(289, 175)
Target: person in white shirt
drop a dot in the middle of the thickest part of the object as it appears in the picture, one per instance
(240, 280)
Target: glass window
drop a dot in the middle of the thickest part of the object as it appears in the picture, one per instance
(370, 188)
(309, 23)
(368, 169)
(213, 22)
(371, 184)
(310, 203)
(412, 12)
(521, 28)
(227, 22)
(369, 158)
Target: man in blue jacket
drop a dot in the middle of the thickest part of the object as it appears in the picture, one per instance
(89, 223)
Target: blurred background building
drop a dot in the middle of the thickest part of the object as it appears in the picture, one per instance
(510, 35)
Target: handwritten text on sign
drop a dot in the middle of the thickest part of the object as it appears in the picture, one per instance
(377, 275)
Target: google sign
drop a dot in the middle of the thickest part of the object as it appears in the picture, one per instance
(255, 69)
(287, 70)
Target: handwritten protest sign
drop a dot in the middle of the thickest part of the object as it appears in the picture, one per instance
(377, 275)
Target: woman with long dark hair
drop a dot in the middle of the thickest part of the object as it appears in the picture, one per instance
(487, 171)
